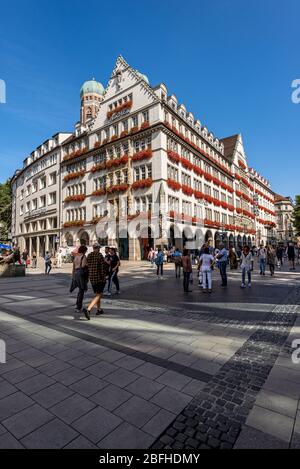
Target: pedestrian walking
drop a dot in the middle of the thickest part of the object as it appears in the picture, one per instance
(279, 254)
(96, 269)
(25, 257)
(271, 259)
(291, 255)
(151, 256)
(206, 263)
(233, 261)
(177, 256)
(34, 260)
(59, 259)
(262, 257)
(187, 270)
(113, 271)
(246, 266)
(222, 258)
(159, 261)
(80, 278)
(48, 263)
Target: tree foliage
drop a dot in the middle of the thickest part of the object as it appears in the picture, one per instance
(296, 217)
(5, 210)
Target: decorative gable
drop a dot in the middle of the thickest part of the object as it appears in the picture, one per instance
(125, 93)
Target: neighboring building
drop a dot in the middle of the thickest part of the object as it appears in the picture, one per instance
(136, 151)
(284, 213)
(36, 206)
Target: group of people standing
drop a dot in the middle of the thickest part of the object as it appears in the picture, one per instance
(209, 258)
(99, 270)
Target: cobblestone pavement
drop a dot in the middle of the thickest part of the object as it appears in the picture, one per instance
(159, 369)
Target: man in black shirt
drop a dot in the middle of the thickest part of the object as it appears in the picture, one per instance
(114, 264)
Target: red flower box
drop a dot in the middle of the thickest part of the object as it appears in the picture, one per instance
(141, 155)
(78, 174)
(117, 162)
(145, 125)
(173, 156)
(117, 188)
(187, 190)
(142, 184)
(186, 163)
(97, 144)
(98, 167)
(174, 184)
(198, 195)
(100, 191)
(124, 133)
(114, 137)
(75, 198)
(198, 170)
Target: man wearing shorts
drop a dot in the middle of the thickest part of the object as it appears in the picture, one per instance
(96, 266)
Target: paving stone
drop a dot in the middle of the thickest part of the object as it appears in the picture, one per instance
(72, 408)
(6, 389)
(97, 424)
(70, 376)
(27, 420)
(52, 395)
(126, 436)
(174, 380)
(111, 356)
(88, 386)
(251, 438)
(149, 370)
(171, 400)
(193, 387)
(34, 384)
(101, 369)
(129, 363)
(20, 374)
(53, 367)
(159, 422)
(121, 377)
(111, 397)
(80, 443)
(137, 411)
(52, 435)
(144, 387)
(34, 358)
(275, 424)
(7, 441)
(295, 442)
(277, 403)
(13, 404)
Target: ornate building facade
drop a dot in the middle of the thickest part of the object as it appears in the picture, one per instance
(140, 170)
(284, 209)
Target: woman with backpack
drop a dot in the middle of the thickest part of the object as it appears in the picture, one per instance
(159, 262)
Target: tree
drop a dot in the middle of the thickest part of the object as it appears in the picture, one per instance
(296, 216)
(5, 209)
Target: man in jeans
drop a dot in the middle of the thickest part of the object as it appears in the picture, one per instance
(262, 256)
(177, 256)
(222, 262)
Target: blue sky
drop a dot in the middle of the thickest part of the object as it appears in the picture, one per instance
(230, 62)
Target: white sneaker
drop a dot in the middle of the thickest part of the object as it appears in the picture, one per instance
(249, 285)
(243, 285)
